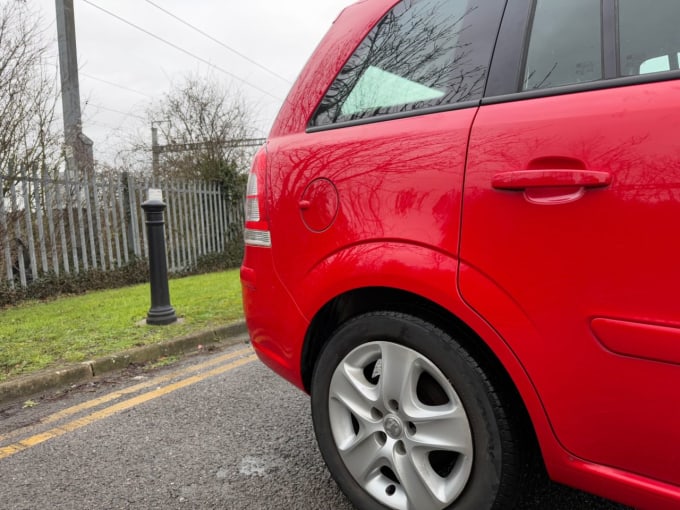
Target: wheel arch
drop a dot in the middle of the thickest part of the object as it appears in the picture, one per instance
(371, 299)
(390, 275)
(359, 301)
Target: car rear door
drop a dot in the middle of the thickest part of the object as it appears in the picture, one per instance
(571, 206)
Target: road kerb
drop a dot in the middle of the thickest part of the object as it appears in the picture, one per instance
(51, 380)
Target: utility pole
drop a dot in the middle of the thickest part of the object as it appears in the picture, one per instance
(155, 151)
(79, 155)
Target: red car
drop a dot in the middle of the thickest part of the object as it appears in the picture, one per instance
(462, 240)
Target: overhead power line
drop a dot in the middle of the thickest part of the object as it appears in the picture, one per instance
(101, 124)
(96, 78)
(113, 84)
(106, 108)
(224, 45)
(118, 85)
(187, 52)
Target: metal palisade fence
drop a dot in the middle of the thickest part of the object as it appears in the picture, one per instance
(67, 225)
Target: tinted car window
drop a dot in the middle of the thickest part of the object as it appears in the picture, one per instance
(422, 53)
(649, 36)
(565, 44)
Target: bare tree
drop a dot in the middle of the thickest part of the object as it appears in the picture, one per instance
(200, 123)
(28, 92)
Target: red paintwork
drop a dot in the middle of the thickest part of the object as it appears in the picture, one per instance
(585, 248)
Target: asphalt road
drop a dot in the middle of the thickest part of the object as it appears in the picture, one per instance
(214, 431)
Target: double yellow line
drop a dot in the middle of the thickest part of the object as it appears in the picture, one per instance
(60, 430)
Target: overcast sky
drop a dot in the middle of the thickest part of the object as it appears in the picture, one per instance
(278, 34)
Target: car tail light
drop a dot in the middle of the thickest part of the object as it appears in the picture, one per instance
(257, 228)
(252, 199)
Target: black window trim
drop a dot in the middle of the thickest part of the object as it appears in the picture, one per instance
(625, 81)
(397, 115)
(507, 63)
(610, 40)
(505, 70)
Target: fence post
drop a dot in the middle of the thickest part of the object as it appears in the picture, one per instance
(21, 248)
(5, 236)
(127, 217)
(91, 232)
(40, 204)
(115, 233)
(72, 226)
(30, 238)
(62, 207)
(49, 213)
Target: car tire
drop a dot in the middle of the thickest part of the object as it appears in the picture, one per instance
(405, 418)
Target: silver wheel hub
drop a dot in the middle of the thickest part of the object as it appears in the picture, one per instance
(399, 427)
(393, 427)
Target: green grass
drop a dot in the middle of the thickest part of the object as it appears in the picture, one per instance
(37, 335)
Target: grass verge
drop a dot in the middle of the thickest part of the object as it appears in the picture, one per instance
(36, 335)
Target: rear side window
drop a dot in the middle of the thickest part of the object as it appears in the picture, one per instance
(565, 45)
(565, 42)
(422, 53)
(649, 36)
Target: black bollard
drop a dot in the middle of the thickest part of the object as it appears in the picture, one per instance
(161, 312)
